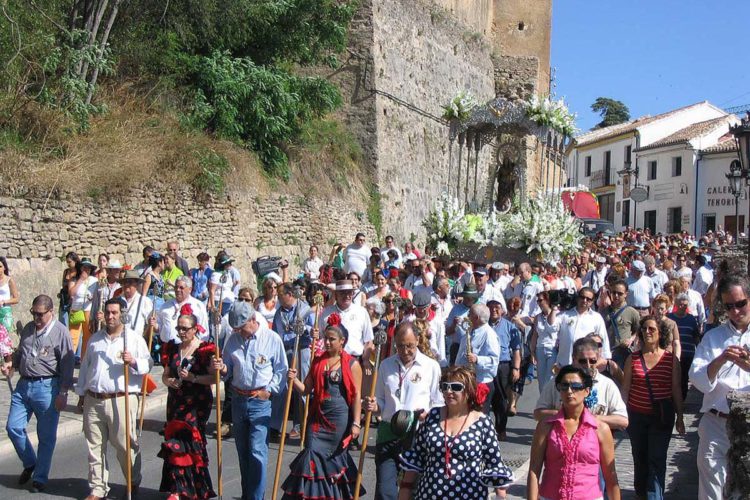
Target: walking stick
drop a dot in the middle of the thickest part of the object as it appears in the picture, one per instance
(217, 353)
(299, 329)
(126, 371)
(381, 337)
(318, 302)
(100, 305)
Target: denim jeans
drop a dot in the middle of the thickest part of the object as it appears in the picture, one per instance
(37, 398)
(251, 417)
(386, 469)
(279, 400)
(649, 441)
(545, 358)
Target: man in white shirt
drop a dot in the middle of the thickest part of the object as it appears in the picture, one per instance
(390, 245)
(420, 277)
(499, 277)
(721, 364)
(357, 256)
(695, 301)
(531, 287)
(167, 322)
(441, 298)
(486, 291)
(104, 292)
(658, 277)
(640, 288)
(577, 323)
(683, 269)
(704, 276)
(596, 278)
(139, 308)
(607, 403)
(102, 380)
(354, 317)
(408, 380)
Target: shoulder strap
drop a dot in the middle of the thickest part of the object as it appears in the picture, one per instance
(648, 380)
(613, 320)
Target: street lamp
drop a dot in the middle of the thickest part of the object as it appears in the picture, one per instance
(735, 186)
(741, 133)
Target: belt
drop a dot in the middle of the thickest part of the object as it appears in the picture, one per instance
(504, 362)
(252, 393)
(718, 413)
(103, 395)
(37, 379)
(641, 308)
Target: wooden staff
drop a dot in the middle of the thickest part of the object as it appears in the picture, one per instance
(126, 371)
(318, 302)
(217, 354)
(299, 329)
(381, 337)
(100, 305)
(150, 333)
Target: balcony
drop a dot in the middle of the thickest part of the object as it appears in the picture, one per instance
(602, 178)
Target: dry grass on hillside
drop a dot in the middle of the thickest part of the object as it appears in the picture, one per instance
(135, 143)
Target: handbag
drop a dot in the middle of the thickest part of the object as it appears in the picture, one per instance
(662, 408)
(76, 318)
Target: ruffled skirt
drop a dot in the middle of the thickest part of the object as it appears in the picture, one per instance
(316, 477)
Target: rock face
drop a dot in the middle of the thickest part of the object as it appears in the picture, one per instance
(738, 429)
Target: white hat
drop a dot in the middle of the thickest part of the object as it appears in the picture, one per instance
(344, 285)
(114, 264)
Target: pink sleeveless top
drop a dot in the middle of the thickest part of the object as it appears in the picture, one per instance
(571, 468)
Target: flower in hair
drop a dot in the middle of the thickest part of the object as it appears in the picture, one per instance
(483, 391)
(186, 310)
(334, 320)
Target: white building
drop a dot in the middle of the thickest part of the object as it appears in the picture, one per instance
(715, 202)
(613, 160)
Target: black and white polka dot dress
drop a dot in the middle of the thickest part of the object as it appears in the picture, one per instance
(474, 461)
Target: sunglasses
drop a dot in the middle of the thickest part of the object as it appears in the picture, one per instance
(451, 386)
(736, 305)
(586, 361)
(240, 299)
(586, 298)
(183, 328)
(38, 314)
(573, 386)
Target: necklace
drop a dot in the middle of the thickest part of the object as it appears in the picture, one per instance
(333, 376)
(401, 379)
(449, 446)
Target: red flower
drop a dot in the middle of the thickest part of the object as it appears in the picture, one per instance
(482, 391)
(334, 319)
(186, 310)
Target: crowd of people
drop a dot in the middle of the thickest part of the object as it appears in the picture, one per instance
(616, 336)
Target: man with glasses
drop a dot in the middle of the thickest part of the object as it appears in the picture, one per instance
(596, 278)
(420, 278)
(173, 249)
(408, 380)
(169, 314)
(44, 359)
(721, 364)
(284, 323)
(622, 321)
(357, 256)
(255, 362)
(576, 323)
(101, 391)
(604, 401)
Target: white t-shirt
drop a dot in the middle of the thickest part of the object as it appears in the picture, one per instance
(574, 326)
(228, 285)
(419, 385)
(356, 259)
(81, 300)
(357, 322)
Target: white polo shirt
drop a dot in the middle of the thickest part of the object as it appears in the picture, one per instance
(574, 326)
(419, 385)
(357, 322)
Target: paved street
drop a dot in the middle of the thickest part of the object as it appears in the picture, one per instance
(68, 476)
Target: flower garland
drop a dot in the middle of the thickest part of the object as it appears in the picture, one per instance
(460, 107)
(552, 113)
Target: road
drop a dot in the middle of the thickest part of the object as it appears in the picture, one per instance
(68, 475)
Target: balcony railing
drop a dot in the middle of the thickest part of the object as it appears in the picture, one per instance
(599, 179)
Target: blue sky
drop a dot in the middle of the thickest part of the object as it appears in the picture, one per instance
(653, 55)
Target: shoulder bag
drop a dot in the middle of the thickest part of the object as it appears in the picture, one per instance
(663, 409)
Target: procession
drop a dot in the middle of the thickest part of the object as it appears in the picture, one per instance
(432, 361)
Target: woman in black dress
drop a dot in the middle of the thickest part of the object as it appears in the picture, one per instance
(456, 453)
(324, 469)
(185, 472)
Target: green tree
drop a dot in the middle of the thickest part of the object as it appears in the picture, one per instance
(612, 111)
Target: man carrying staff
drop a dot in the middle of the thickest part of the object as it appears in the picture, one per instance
(138, 317)
(408, 380)
(45, 361)
(255, 361)
(101, 388)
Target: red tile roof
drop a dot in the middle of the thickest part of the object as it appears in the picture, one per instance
(690, 132)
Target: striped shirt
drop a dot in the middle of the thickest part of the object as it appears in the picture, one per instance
(661, 383)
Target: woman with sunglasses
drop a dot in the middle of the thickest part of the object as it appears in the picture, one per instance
(268, 303)
(572, 447)
(324, 468)
(185, 472)
(653, 393)
(456, 453)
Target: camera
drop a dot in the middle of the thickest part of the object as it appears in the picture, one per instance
(563, 299)
(266, 264)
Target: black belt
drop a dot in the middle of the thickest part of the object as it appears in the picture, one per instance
(641, 308)
(504, 362)
(718, 413)
(37, 379)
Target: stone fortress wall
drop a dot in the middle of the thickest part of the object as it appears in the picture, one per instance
(405, 59)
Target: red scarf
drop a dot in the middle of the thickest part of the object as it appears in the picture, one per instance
(320, 393)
